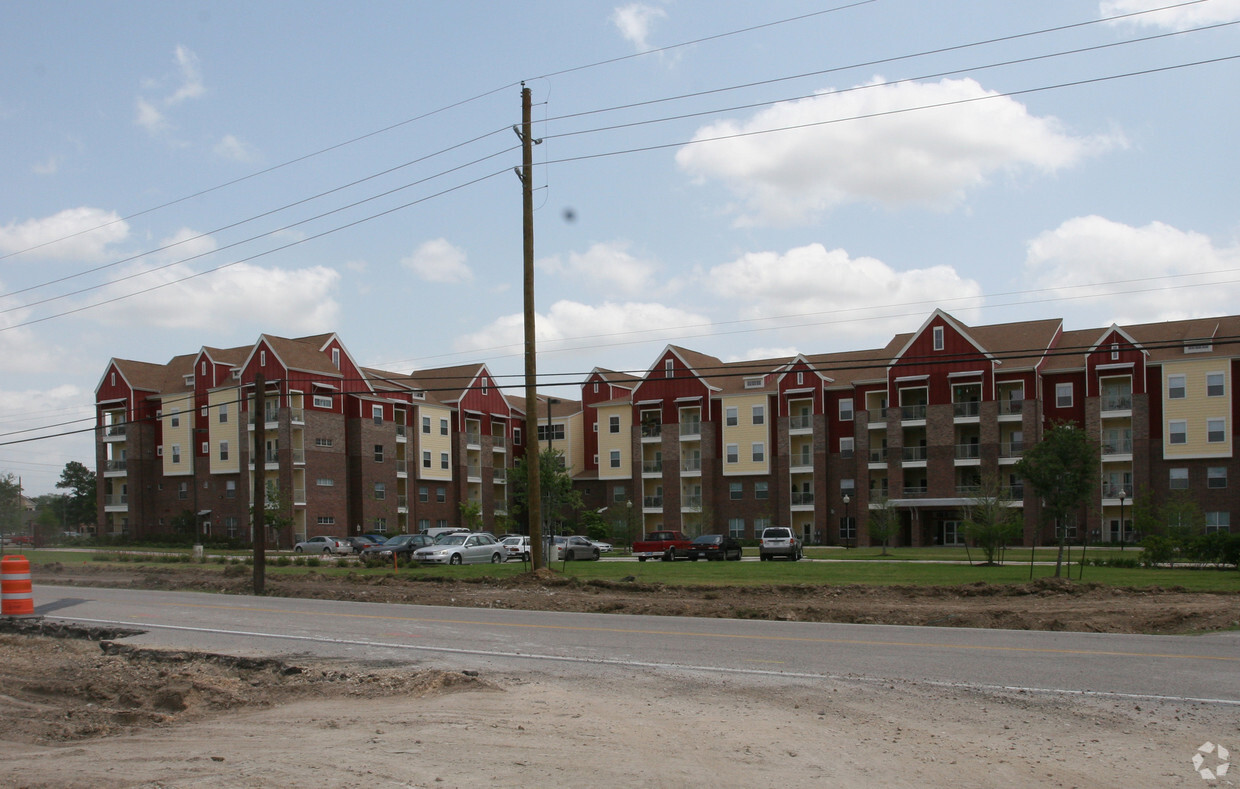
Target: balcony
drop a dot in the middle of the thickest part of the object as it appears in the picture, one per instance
(913, 454)
(499, 476)
(1117, 402)
(652, 467)
(691, 429)
(402, 433)
(402, 467)
(803, 461)
(970, 491)
(299, 457)
(114, 433)
(297, 415)
(800, 499)
(914, 491)
(1011, 449)
(691, 464)
(402, 502)
(651, 431)
(1117, 446)
(116, 500)
(499, 443)
(474, 472)
(691, 502)
(878, 455)
(801, 422)
(1013, 492)
(652, 502)
(299, 496)
(913, 412)
(272, 417)
(115, 467)
(473, 438)
(971, 408)
(968, 451)
(1011, 407)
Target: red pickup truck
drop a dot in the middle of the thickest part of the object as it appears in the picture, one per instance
(665, 545)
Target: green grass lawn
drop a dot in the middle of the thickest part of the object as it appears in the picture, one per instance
(911, 566)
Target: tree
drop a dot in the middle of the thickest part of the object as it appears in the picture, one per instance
(990, 521)
(277, 512)
(471, 515)
(80, 481)
(10, 505)
(555, 489)
(1062, 468)
(884, 521)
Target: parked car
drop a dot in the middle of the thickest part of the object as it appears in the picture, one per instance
(462, 548)
(401, 546)
(575, 547)
(603, 547)
(516, 546)
(779, 541)
(323, 545)
(361, 542)
(715, 547)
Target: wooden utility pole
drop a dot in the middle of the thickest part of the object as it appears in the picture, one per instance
(533, 491)
(259, 414)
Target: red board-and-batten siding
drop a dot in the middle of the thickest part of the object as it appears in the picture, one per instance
(672, 392)
(484, 402)
(940, 369)
(1099, 364)
(810, 387)
(589, 398)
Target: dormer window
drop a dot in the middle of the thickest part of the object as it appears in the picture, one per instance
(938, 338)
(1198, 346)
(204, 367)
(484, 385)
(336, 358)
(668, 368)
(753, 383)
(262, 358)
(800, 378)
(1115, 352)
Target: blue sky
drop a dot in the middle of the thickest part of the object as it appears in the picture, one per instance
(743, 179)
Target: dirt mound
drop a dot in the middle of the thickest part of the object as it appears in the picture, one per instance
(65, 683)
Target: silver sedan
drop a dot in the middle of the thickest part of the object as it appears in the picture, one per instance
(462, 549)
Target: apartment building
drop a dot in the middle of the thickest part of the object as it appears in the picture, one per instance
(923, 424)
(345, 449)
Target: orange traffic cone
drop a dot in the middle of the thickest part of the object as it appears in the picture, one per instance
(15, 591)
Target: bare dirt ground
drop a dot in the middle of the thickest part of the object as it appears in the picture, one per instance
(79, 708)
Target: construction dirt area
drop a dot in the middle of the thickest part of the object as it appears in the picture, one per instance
(81, 708)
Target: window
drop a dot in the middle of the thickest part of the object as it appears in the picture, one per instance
(182, 490)
(1218, 521)
(1216, 477)
(1177, 387)
(938, 338)
(733, 418)
(230, 488)
(443, 460)
(426, 425)
(846, 409)
(336, 358)
(206, 448)
(669, 368)
(800, 378)
(733, 454)
(443, 427)
(262, 358)
(326, 520)
(516, 435)
(1063, 395)
(442, 523)
(614, 458)
(1214, 385)
(1216, 430)
(176, 453)
(846, 447)
(378, 453)
(381, 525)
(735, 491)
(759, 415)
(441, 495)
(1178, 431)
(736, 527)
(1178, 479)
(613, 424)
(376, 413)
(557, 432)
(424, 524)
(380, 491)
(848, 487)
(619, 495)
(322, 401)
(424, 493)
(175, 417)
(484, 385)
(760, 490)
(223, 450)
(325, 482)
(1114, 352)
(753, 383)
(595, 387)
(426, 459)
(223, 413)
(323, 442)
(759, 452)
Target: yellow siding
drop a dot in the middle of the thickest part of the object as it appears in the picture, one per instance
(607, 441)
(574, 452)
(1196, 408)
(433, 442)
(219, 432)
(178, 408)
(745, 434)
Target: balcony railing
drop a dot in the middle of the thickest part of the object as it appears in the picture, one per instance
(114, 431)
(878, 455)
(801, 422)
(473, 437)
(1011, 406)
(913, 453)
(968, 490)
(114, 465)
(803, 460)
(652, 467)
(402, 467)
(499, 475)
(691, 464)
(652, 431)
(913, 411)
(693, 428)
(691, 502)
(913, 491)
(1121, 402)
(968, 451)
(970, 408)
(402, 501)
(272, 415)
(802, 498)
(474, 470)
(402, 431)
(299, 496)
(298, 415)
(499, 443)
(1119, 446)
(299, 456)
(652, 502)
(116, 499)
(1011, 449)
(1110, 491)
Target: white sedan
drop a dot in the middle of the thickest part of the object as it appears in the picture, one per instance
(603, 547)
(462, 549)
(323, 545)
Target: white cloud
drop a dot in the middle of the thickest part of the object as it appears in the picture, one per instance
(1180, 18)
(292, 300)
(634, 21)
(76, 233)
(230, 147)
(822, 294)
(608, 266)
(151, 114)
(150, 118)
(49, 166)
(1129, 273)
(439, 261)
(191, 86)
(39, 463)
(929, 157)
(571, 325)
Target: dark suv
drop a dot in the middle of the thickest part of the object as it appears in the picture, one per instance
(779, 541)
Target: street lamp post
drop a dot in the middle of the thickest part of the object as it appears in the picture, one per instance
(848, 521)
(1123, 536)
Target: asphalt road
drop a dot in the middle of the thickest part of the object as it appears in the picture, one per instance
(1202, 668)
